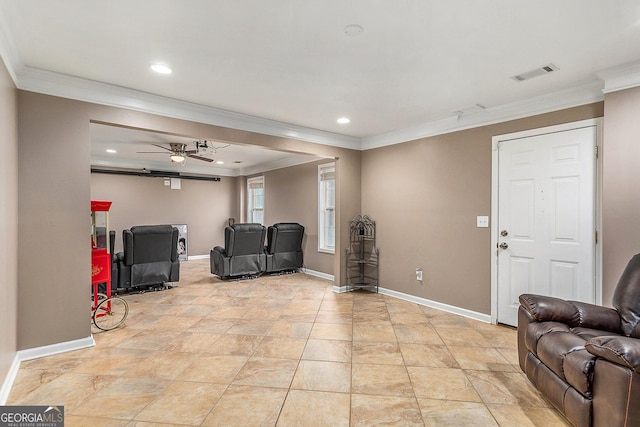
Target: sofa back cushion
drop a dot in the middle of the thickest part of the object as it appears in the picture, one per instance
(244, 239)
(285, 237)
(150, 243)
(626, 298)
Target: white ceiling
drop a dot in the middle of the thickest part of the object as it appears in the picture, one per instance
(287, 67)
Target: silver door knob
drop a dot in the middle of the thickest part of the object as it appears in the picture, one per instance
(503, 245)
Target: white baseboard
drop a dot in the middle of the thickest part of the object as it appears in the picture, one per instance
(50, 350)
(35, 353)
(437, 305)
(319, 274)
(427, 303)
(8, 380)
(192, 257)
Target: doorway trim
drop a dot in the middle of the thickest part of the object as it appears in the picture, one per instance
(597, 122)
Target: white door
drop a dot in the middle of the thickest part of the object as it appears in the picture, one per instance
(546, 218)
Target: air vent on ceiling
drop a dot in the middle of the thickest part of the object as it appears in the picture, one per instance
(546, 69)
(471, 109)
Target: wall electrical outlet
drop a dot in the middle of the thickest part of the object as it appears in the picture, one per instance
(419, 274)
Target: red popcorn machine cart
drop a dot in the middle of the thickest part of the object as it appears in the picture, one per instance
(107, 312)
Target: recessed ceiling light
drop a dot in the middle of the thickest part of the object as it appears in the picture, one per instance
(161, 68)
(343, 120)
(111, 150)
(220, 162)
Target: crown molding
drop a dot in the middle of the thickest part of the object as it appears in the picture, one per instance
(65, 86)
(567, 98)
(623, 77)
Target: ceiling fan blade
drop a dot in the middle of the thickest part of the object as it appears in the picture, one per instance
(151, 152)
(164, 148)
(220, 147)
(204, 159)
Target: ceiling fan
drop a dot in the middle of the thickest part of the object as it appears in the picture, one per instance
(205, 146)
(179, 153)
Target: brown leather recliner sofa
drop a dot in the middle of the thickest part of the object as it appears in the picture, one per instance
(585, 358)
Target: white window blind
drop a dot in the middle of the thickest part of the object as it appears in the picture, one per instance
(255, 202)
(326, 207)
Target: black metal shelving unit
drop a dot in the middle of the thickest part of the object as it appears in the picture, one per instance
(362, 255)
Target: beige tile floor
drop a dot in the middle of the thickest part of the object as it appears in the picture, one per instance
(286, 351)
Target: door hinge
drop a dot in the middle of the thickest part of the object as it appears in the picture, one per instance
(597, 151)
(596, 237)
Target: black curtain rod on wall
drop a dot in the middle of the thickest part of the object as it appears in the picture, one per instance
(155, 174)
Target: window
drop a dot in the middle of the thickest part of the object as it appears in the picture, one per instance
(255, 203)
(327, 207)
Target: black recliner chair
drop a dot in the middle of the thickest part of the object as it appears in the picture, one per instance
(114, 260)
(284, 247)
(150, 256)
(243, 252)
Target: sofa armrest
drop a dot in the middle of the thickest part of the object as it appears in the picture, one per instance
(623, 351)
(572, 313)
(598, 317)
(549, 309)
(220, 250)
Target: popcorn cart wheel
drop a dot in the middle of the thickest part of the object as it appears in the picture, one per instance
(110, 313)
(107, 312)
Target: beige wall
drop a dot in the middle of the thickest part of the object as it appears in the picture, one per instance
(8, 221)
(425, 195)
(53, 202)
(348, 205)
(621, 183)
(304, 185)
(292, 196)
(205, 206)
(53, 206)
